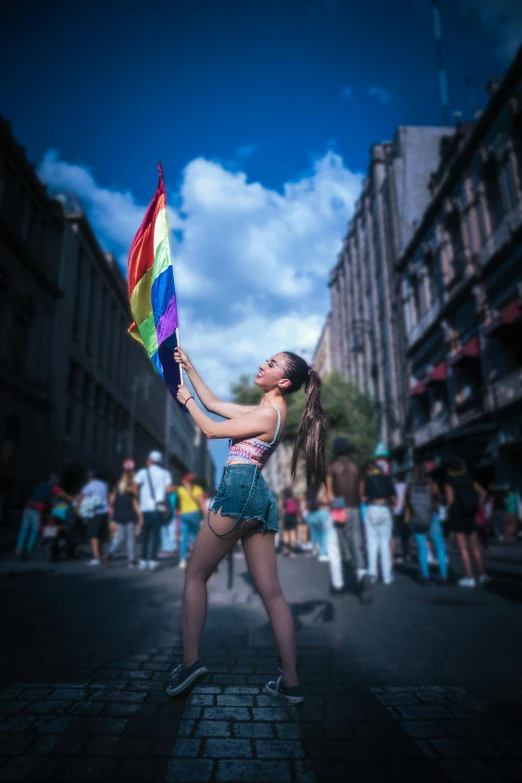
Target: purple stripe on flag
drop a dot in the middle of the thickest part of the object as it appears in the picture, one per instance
(168, 321)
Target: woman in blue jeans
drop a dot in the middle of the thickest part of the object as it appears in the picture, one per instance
(423, 499)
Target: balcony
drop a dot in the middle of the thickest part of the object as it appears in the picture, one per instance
(433, 429)
(506, 391)
(469, 410)
(427, 320)
(499, 237)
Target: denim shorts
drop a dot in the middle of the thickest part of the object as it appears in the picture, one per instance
(244, 495)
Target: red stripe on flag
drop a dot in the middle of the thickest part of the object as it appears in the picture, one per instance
(141, 256)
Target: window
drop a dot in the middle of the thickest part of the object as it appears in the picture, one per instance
(493, 195)
(509, 184)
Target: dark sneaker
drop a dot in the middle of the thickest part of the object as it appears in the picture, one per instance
(293, 695)
(184, 678)
(366, 589)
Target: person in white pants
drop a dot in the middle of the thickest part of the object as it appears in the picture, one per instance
(378, 493)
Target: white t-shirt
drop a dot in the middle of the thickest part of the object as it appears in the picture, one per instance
(98, 492)
(160, 479)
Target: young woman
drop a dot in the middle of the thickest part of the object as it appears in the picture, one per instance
(378, 493)
(245, 509)
(126, 513)
(289, 511)
(422, 496)
(464, 498)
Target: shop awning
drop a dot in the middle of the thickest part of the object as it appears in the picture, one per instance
(418, 390)
(438, 374)
(510, 315)
(470, 350)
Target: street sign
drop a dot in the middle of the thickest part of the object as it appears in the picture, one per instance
(381, 450)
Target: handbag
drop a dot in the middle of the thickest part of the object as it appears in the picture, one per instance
(162, 506)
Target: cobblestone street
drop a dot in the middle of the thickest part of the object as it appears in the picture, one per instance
(424, 684)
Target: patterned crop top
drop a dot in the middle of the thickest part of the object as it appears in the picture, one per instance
(254, 451)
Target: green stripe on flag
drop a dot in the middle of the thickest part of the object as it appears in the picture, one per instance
(147, 330)
(161, 258)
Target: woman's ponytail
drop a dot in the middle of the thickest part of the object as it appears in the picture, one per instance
(312, 427)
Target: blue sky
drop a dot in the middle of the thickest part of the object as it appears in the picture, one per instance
(262, 113)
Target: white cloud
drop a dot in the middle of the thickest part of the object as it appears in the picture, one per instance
(347, 92)
(382, 95)
(504, 17)
(251, 263)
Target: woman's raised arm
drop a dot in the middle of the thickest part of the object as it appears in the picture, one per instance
(261, 421)
(228, 410)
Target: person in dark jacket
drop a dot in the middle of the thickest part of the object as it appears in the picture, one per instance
(464, 498)
(125, 513)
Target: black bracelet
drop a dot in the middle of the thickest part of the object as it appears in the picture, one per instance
(186, 401)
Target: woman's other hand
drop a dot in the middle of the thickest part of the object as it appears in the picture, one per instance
(184, 393)
(182, 357)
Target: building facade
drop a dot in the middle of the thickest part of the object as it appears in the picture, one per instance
(322, 358)
(461, 285)
(31, 228)
(365, 343)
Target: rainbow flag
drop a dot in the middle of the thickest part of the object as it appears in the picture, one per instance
(152, 294)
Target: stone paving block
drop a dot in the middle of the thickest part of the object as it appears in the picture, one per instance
(10, 693)
(345, 750)
(150, 727)
(508, 768)
(230, 679)
(253, 730)
(160, 658)
(476, 728)
(109, 685)
(185, 728)
(214, 728)
(272, 713)
(124, 710)
(69, 684)
(12, 707)
(466, 770)
(461, 748)
(16, 723)
(398, 699)
(86, 708)
(35, 694)
(161, 676)
(235, 701)
(428, 697)
(116, 746)
(48, 707)
(70, 694)
(376, 772)
(288, 730)
(158, 667)
(106, 674)
(511, 746)
(188, 771)
(413, 771)
(68, 744)
(19, 767)
(424, 729)
(253, 772)
(148, 686)
(66, 770)
(467, 711)
(122, 696)
(14, 744)
(260, 679)
(424, 713)
(136, 674)
(193, 713)
(162, 747)
(238, 690)
(134, 769)
(207, 689)
(104, 725)
(186, 748)
(372, 728)
(201, 700)
(279, 749)
(243, 669)
(228, 713)
(228, 749)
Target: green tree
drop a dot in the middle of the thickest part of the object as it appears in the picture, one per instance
(350, 413)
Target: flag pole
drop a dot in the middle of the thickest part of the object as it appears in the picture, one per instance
(160, 169)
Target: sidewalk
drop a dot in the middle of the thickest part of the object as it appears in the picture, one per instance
(369, 716)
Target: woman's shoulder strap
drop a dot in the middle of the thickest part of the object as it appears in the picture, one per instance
(278, 423)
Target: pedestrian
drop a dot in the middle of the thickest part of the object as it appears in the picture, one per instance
(244, 508)
(289, 510)
(125, 513)
(379, 495)
(343, 485)
(154, 484)
(401, 528)
(422, 496)
(92, 504)
(511, 524)
(316, 515)
(32, 518)
(191, 507)
(169, 532)
(464, 498)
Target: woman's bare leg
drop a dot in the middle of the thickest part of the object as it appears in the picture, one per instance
(476, 552)
(207, 553)
(464, 554)
(261, 561)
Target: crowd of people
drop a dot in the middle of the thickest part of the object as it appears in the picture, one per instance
(360, 517)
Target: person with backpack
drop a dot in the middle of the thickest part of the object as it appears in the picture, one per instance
(378, 492)
(464, 498)
(125, 513)
(191, 507)
(289, 509)
(422, 496)
(154, 484)
(316, 517)
(92, 504)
